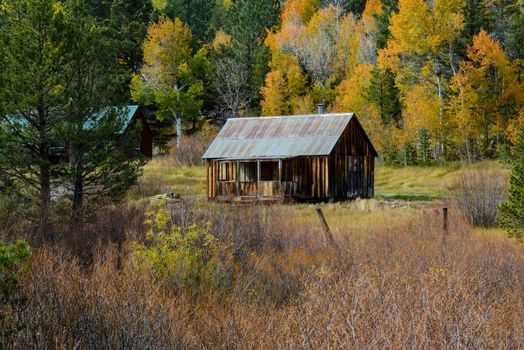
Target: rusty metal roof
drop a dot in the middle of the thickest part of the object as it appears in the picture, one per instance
(278, 137)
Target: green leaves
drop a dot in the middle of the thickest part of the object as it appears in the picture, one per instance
(185, 259)
(171, 76)
(13, 259)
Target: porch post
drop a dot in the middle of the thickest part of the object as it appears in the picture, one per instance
(258, 177)
(207, 179)
(280, 177)
(217, 179)
(238, 178)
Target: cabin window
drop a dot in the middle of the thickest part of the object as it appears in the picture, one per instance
(269, 171)
(224, 171)
(248, 171)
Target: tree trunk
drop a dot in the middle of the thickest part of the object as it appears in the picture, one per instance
(45, 195)
(178, 117)
(441, 105)
(78, 196)
(178, 130)
(44, 179)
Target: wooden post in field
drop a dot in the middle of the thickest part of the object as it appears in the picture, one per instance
(445, 219)
(327, 231)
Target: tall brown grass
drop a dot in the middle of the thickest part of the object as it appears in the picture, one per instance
(395, 284)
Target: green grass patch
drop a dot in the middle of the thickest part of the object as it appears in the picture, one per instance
(161, 175)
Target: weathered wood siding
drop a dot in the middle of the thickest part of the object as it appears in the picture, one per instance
(352, 165)
(309, 176)
(348, 172)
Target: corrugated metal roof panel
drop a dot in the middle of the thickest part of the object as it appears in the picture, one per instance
(278, 137)
(130, 111)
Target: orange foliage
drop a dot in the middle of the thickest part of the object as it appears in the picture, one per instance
(273, 92)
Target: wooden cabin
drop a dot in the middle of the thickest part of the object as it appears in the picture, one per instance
(310, 157)
(136, 114)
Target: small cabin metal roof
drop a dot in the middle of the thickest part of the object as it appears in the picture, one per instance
(278, 137)
(129, 110)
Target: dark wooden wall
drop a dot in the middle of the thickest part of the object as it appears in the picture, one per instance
(146, 134)
(352, 165)
(311, 174)
(146, 139)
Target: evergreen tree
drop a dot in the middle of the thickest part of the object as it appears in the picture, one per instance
(32, 92)
(425, 146)
(382, 22)
(101, 9)
(247, 22)
(100, 170)
(126, 28)
(58, 73)
(410, 154)
(383, 92)
(128, 22)
(511, 212)
(197, 14)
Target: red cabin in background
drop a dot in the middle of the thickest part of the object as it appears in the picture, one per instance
(137, 114)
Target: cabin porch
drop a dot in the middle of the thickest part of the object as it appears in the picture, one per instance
(260, 179)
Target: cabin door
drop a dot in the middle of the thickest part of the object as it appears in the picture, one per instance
(356, 177)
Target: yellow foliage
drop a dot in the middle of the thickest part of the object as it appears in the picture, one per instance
(515, 127)
(166, 51)
(322, 21)
(302, 105)
(484, 105)
(350, 91)
(373, 8)
(301, 9)
(419, 28)
(187, 258)
(159, 4)
(421, 111)
(351, 98)
(222, 39)
(284, 84)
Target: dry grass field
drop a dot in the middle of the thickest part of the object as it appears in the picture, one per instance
(394, 280)
(266, 277)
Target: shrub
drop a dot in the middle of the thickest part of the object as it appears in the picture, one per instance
(192, 148)
(478, 193)
(12, 260)
(185, 259)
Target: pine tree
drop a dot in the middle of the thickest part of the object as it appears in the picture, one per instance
(197, 14)
(382, 22)
(247, 23)
(128, 25)
(32, 90)
(424, 146)
(511, 212)
(58, 78)
(383, 92)
(100, 169)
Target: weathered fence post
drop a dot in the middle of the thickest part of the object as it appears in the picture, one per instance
(445, 219)
(444, 242)
(327, 231)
